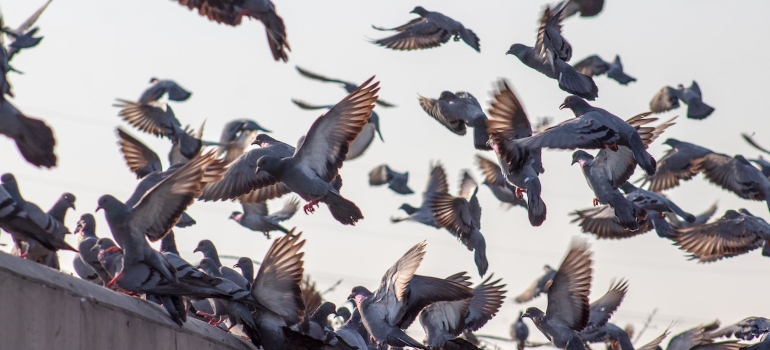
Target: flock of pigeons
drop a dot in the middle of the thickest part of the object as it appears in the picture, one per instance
(276, 308)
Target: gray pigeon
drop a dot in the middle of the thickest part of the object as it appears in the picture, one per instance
(676, 165)
(424, 214)
(594, 65)
(316, 162)
(255, 216)
(519, 332)
(231, 12)
(570, 80)
(85, 266)
(668, 98)
(396, 181)
(444, 321)
(161, 87)
(461, 216)
(210, 251)
(568, 309)
(349, 332)
(429, 30)
(458, 111)
(550, 44)
(538, 286)
(247, 269)
(23, 37)
(619, 339)
(238, 313)
(735, 233)
(348, 86)
(700, 219)
(316, 325)
(495, 180)
(157, 118)
(33, 137)
(602, 309)
(400, 298)
(700, 336)
(735, 174)
(237, 136)
(59, 212)
(586, 8)
(745, 329)
(110, 257)
(364, 138)
(519, 167)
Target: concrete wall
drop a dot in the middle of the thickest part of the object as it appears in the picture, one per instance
(44, 309)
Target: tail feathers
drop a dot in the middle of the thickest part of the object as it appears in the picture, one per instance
(342, 209)
(174, 305)
(480, 135)
(536, 209)
(459, 344)
(470, 38)
(696, 109)
(621, 77)
(572, 81)
(36, 142)
(519, 345)
(276, 37)
(244, 315)
(185, 221)
(399, 338)
(480, 257)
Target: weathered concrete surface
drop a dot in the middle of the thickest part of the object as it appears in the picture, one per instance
(45, 309)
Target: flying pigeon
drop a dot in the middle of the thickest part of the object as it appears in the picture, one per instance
(400, 297)
(519, 167)
(570, 80)
(33, 137)
(23, 37)
(237, 136)
(568, 309)
(430, 30)
(594, 65)
(231, 12)
(458, 111)
(602, 309)
(538, 286)
(396, 181)
(348, 86)
(255, 216)
(157, 118)
(586, 8)
(676, 165)
(461, 216)
(745, 329)
(424, 214)
(519, 332)
(700, 336)
(550, 44)
(735, 233)
(495, 180)
(668, 98)
(162, 87)
(735, 174)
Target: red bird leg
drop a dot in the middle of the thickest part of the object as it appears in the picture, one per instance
(596, 201)
(308, 208)
(520, 192)
(23, 255)
(114, 280)
(612, 146)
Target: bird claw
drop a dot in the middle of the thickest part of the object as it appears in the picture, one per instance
(308, 208)
(114, 280)
(596, 201)
(520, 193)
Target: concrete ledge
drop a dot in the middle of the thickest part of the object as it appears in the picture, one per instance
(46, 309)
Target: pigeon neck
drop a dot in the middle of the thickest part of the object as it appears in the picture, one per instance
(579, 110)
(212, 254)
(59, 210)
(248, 273)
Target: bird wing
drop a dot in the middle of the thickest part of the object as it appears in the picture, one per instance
(492, 173)
(242, 177)
(453, 213)
(175, 91)
(445, 113)
(139, 158)
(32, 19)
(729, 236)
(361, 142)
(754, 144)
(277, 284)
(403, 26)
(602, 309)
(664, 100)
(326, 143)
(550, 44)
(289, 208)
(724, 171)
(486, 302)
(155, 117)
(467, 186)
(420, 33)
(315, 76)
(395, 281)
(601, 221)
(530, 293)
(584, 132)
(695, 88)
(673, 167)
(507, 119)
(568, 294)
(592, 66)
(262, 194)
(379, 175)
(162, 206)
(259, 208)
(305, 105)
(220, 11)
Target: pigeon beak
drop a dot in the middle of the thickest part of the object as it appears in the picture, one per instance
(196, 250)
(72, 206)
(562, 106)
(352, 296)
(98, 207)
(237, 265)
(573, 162)
(526, 314)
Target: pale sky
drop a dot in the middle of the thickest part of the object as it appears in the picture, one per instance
(95, 51)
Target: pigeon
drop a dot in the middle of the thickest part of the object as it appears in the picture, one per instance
(699, 336)
(586, 8)
(349, 332)
(210, 252)
(238, 313)
(87, 266)
(364, 138)
(58, 212)
(676, 165)
(461, 216)
(519, 332)
(538, 286)
(33, 137)
(746, 329)
(424, 214)
(429, 30)
(162, 87)
(668, 98)
(255, 216)
(570, 80)
(602, 309)
(24, 35)
(231, 12)
(568, 309)
(495, 180)
(383, 174)
(348, 86)
(237, 136)
(157, 118)
(550, 44)
(621, 340)
(700, 219)
(110, 257)
(444, 321)
(400, 297)
(247, 269)
(519, 167)
(457, 111)
(594, 65)
(735, 233)
(735, 174)
(316, 162)
(316, 325)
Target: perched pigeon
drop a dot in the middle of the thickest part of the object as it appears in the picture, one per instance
(519, 332)
(676, 165)
(364, 138)
(519, 167)
(33, 137)
(109, 256)
(735, 233)
(231, 12)
(444, 321)
(400, 297)
(255, 216)
(86, 263)
(247, 269)
(24, 35)
(316, 162)
(461, 216)
(570, 80)
(424, 214)
(348, 86)
(237, 312)
(746, 329)
(58, 212)
(700, 219)
(495, 180)
(430, 30)
(161, 87)
(538, 286)
(668, 98)
(458, 111)
(568, 309)
(736, 175)
(396, 181)
(550, 44)
(586, 8)
(210, 252)
(157, 118)
(349, 332)
(594, 65)
(237, 136)
(316, 325)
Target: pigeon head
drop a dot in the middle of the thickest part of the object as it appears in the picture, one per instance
(671, 142)
(86, 226)
(582, 157)
(359, 294)
(534, 313)
(408, 208)
(323, 311)
(578, 105)
(8, 178)
(113, 208)
(236, 215)
(244, 262)
(154, 80)
(419, 10)
(269, 164)
(547, 268)
(206, 247)
(518, 50)
(249, 124)
(344, 313)
(208, 266)
(68, 198)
